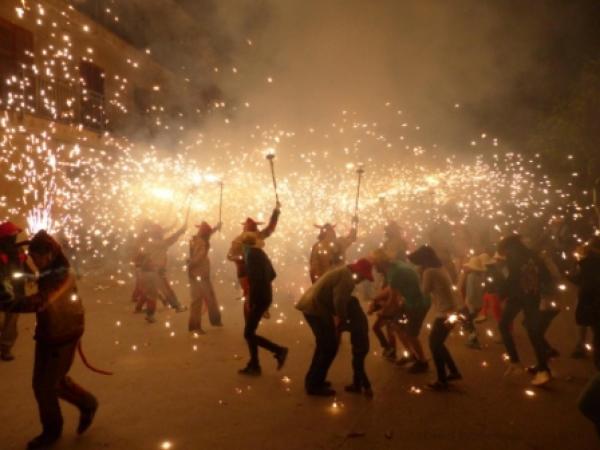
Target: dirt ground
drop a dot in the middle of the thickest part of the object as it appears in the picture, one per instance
(174, 390)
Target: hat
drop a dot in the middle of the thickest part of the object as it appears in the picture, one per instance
(251, 224)
(204, 229)
(8, 229)
(476, 263)
(362, 267)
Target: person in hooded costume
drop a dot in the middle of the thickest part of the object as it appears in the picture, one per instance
(330, 250)
(12, 270)
(236, 251)
(202, 290)
(59, 327)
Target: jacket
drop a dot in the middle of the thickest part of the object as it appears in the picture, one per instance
(58, 308)
(260, 275)
(330, 295)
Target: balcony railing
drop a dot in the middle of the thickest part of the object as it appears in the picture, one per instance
(54, 100)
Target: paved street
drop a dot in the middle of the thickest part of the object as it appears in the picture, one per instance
(185, 391)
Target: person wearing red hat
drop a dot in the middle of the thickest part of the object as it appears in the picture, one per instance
(236, 252)
(12, 269)
(202, 290)
(325, 308)
(330, 250)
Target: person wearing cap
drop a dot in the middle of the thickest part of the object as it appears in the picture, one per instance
(325, 308)
(404, 288)
(153, 280)
(236, 251)
(59, 327)
(12, 269)
(522, 289)
(202, 291)
(330, 250)
(471, 282)
(260, 273)
(437, 284)
(587, 314)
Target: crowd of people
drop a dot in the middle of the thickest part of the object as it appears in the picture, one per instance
(407, 285)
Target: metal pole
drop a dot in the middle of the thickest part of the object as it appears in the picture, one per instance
(271, 157)
(220, 201)
(360, 172)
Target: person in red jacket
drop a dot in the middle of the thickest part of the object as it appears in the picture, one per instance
(59, 327)
(12, 268)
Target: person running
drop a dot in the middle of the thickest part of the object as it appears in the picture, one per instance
(59, 327)
(404, 286)
(202, 290)
(522, 290)
(330, 250)
(436, 284)
(12, 274)
(358, 326)
(587, 314)
(236, 251)
(325, 308)
(260, 274)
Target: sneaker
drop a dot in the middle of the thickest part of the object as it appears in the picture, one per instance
(454, 377)
(250, 370)
(321, 392)
(473, 343)
(480, 319)
(43, 441)
(438, 385)
(86, 418)
(196, 330)
(552, 353)
(406, 360)
(353, 389)
(180, 309)
(281, 357)
(514, 369)
(532, 370)
(419, 367)
(150, 319)
(541, 378)
(389, 354)
(368, 392)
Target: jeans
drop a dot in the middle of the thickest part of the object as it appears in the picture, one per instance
(589, 402)
(533, 318)
(50, 382)
(441, 356)
(358, 368)
(326, 347)
(254, 341)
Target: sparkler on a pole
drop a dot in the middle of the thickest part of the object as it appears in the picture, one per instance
(360, 171)
(271, 158)
(220, 201)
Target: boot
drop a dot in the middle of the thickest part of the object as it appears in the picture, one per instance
(86, 418)
(44, 440)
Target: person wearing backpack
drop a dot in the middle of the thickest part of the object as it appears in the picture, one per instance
(588, 314)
